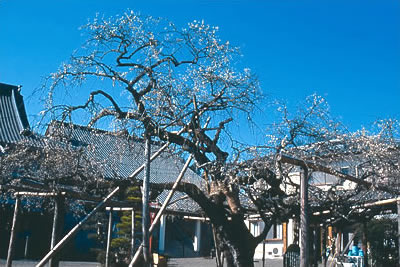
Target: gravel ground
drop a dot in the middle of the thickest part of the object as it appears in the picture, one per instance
(178, 262)
(200, 262)
(26, 263)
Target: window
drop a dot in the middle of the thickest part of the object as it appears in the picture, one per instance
(275, 232)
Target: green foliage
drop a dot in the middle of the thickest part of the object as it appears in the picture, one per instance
(121, 244)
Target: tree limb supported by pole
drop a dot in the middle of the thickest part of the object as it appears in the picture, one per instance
(304, 217)
(74, 230)
(328, 170)
(62, 242)
(11, 245)
(163, 207)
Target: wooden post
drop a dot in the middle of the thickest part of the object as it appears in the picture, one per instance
(132, 232)
(284, 236)
(322, 242)
(339, 242)
(263, 257)
(304, 217)
(330, 236)
(364, 243)
(74, 230)
(109, 231)
(325, 244)
(54, 262)
(12, 235)
(145, 204)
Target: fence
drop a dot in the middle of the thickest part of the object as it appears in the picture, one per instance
(291, 259)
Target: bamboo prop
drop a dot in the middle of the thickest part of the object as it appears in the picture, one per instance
(74, 230)
(162, 209)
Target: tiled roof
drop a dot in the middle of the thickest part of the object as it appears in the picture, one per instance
(14, 126)
(120, 155)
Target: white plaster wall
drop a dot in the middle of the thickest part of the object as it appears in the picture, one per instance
(270, 245)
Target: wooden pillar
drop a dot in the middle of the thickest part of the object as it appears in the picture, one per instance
(304, 217)
(284, 236)
(364, 244)
(109, 239)
(339, 242)
(11, 245)
(145, 204)
(132, 233)
(322, 242)
(54, 262)
(330, 236)
(327, 243)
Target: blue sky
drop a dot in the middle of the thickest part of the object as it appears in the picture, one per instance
(346, 51)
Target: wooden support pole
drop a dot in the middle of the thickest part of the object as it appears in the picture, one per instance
(163, 207)
(304, 217)
(263, 257)
(53, 262)
(339, 242)
(74, 230)
(132, 232)
(145, 204)
(109, 231)
(364, 243)
(11, 245)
